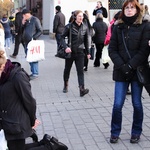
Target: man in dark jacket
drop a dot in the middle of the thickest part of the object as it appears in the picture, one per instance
(32, 30)
(18, 32)
(100, 9)
(58, 24)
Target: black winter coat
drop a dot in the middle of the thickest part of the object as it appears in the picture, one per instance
(79, 38)
(18, 23)
(17, 105)
(103, 10)
(136, 37)
(100, 29)
(59, 23)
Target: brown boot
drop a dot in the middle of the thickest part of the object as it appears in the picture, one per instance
(65, 89)
(83, 91)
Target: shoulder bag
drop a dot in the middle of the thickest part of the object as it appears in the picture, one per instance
(142, 71)
(61, 50)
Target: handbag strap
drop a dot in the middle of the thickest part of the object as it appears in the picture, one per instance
(125, 45)
(70, 25)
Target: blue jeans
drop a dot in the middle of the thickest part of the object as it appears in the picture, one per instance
(120, 95)
(34, 66)
(7, 42)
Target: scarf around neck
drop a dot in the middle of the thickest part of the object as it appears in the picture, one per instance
(7, 70)
(129, 20)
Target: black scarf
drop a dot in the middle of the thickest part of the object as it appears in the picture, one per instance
(129, 20)
(7, 70)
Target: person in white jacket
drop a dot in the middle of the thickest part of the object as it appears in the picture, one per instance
(2, 39)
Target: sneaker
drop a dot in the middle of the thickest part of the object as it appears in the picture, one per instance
(12, 56)
(85, 69)
(135, 139)
(32, 77)
(114, 139)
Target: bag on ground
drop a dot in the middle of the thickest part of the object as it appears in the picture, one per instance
(36, 49)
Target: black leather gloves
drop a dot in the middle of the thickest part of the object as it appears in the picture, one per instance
(127, 71)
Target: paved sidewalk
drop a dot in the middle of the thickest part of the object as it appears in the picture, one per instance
(82, 123)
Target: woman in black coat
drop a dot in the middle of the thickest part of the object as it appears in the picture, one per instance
(17, 105)
(128, 49)
(100, 29)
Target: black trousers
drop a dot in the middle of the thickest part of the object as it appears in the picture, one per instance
(16, 144)
(99, 48)
(18, 41)
(79, 63)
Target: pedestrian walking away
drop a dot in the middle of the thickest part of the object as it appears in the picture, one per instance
(58, 25)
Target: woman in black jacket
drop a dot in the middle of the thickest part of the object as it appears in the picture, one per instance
(79, 48)
(128, 49)
(17, 105)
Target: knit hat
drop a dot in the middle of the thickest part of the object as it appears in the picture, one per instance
(58, 8)
(25, 11)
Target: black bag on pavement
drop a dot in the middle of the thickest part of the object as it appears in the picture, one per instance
(47, 143)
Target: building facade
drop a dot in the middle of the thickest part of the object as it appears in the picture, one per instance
(45, 9)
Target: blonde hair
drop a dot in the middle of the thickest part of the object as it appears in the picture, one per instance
(2, 57)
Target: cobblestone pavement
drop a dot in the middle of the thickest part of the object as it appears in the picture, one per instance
(82, 123)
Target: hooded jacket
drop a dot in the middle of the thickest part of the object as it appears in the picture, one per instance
(136, 37)
(17, 105)
(5, 22)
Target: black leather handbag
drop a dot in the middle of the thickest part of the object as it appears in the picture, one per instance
(62, 54)
(143, 74)
(61, 50)
(143, 71)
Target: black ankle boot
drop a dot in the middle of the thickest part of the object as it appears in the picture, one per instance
(83, 91)
(65, 89)
(106, 65)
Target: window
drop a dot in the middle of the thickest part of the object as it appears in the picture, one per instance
(115, 4)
